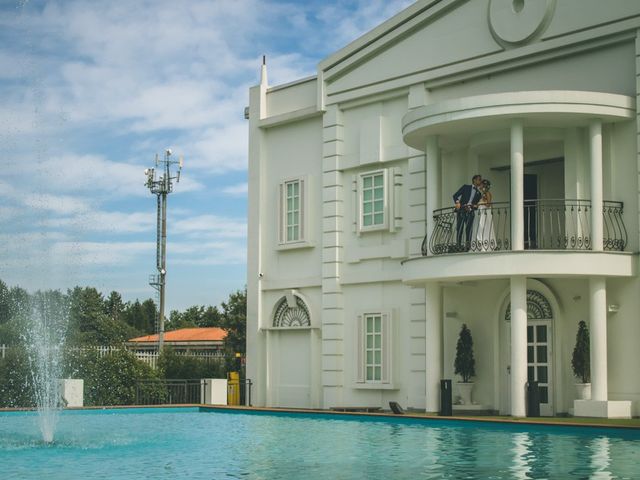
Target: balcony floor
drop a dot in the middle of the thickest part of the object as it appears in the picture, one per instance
(530, 263)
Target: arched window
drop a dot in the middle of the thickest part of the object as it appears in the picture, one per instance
(291, 311)
(538, 307)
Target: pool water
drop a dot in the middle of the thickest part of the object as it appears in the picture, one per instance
(213, 444)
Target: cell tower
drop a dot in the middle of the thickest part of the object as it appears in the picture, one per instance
(161, 187)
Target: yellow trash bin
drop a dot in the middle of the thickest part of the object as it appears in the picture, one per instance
(233, 392)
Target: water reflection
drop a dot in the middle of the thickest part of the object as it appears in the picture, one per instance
(521, 452)
(600, 458)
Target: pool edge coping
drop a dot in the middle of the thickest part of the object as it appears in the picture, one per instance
(425, 417)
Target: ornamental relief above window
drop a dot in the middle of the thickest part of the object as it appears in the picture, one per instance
(290, 312)
(538, 307)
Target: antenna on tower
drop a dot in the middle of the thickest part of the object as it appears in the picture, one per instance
(161, 186)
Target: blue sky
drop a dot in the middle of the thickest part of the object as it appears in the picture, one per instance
(91, 90)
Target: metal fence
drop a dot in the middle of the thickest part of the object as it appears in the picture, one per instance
(184, 391)
(169, 391)
(561, 224)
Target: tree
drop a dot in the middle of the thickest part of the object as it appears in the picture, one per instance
(581, 361)
(133, 315)
(89, 324)
(149, 316)
(5, 303)
(15, 308)
(114, 306)
(465, 364)
(86, 311)
(234, 321)
(211, 317)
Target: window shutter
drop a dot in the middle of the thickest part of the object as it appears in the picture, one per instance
(355, 205)
(281, 214)
(386, 348)
(302, 234)
(360, 353)
(396, 193)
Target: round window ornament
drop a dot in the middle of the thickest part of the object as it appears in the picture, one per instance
(515, 22)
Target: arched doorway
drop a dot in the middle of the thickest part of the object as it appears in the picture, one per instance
(540, 359)
(290, 346)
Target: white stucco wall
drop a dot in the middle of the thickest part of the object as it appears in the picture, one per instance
(425, 56)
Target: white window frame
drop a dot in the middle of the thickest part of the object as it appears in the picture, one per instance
(303, 214)
(386, 351)
(392, 200)
(385, 199)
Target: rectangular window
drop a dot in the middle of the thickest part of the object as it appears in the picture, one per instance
(292, 214)
(377, 200)
(373, 367)
(374, 349)
(373, 200)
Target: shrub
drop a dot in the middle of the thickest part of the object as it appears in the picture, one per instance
(174, 366)
(113, 378)
(581, 361)
(465, 364)
(16, 389)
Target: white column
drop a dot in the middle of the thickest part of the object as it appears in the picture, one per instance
(517, 186)
(598, 336)
(433, 367)
(268, 381)
(433, 182)
(518, 345)
(597, 232)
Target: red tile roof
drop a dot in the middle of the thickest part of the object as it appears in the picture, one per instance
(206, 334)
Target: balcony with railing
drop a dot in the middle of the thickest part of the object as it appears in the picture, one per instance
(548, 225)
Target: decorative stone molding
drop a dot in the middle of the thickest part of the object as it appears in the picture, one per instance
(291, 311)
(538, 307)
(515, 22)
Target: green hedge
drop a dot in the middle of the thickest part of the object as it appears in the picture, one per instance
(111, 379)
(172, 365)
(15, 380)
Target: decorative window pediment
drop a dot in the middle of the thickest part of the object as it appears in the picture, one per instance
(291, 311)
(538, 307)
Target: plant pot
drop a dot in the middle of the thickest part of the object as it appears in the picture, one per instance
(465, 392)
(583, 391)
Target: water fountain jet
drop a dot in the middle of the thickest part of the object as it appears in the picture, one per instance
(44, 339)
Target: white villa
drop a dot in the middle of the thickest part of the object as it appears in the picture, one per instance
(359, 273)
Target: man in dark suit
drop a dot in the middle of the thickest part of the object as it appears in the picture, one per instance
(466, 201)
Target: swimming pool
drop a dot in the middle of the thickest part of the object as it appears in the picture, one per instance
(214, 444)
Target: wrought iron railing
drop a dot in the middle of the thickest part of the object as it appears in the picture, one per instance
(548, 225)
(615, 232)
(486, 228)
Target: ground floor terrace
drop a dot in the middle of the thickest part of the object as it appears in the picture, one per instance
(523, 328)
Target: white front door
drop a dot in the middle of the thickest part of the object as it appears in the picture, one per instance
(539, 362)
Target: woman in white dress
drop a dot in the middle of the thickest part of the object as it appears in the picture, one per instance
(485, 236)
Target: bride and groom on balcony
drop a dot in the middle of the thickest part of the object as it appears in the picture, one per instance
(473, 201)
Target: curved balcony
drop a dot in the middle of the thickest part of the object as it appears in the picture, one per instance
(557, 224)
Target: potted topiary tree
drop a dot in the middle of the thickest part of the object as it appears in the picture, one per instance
(581, 362)
(465, 365)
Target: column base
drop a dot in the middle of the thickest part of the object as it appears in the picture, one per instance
(602, 408)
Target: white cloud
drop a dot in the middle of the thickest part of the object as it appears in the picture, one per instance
(94, 89)
(54, 250)
(41, 201)
(105, 222)
(238, 190)
(208, 253)
(210, 226)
